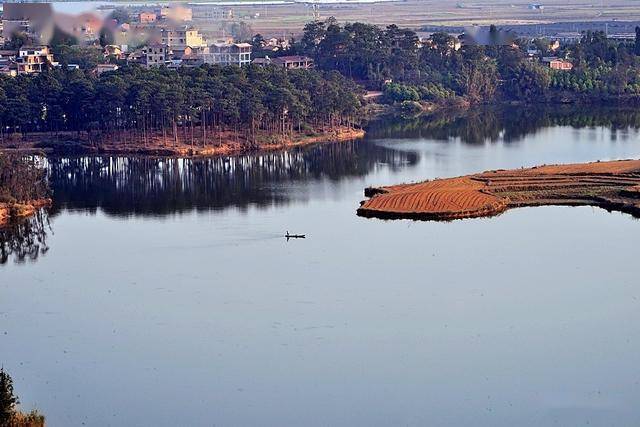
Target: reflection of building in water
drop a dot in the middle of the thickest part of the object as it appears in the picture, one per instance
(144, 186)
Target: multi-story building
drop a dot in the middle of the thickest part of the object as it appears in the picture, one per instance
(155, 55)
(34, 59)
(228, 54)
(181, 37)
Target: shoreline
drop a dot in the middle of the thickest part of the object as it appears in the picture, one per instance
(555, 99)
(15, 212)
(225, 144)
(611, 185)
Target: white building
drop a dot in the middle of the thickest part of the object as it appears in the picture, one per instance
(228, 54)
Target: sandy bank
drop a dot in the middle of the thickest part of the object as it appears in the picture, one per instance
(610, 185)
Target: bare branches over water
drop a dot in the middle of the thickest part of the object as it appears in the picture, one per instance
(26, 240)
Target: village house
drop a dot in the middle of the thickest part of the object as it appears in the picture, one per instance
(114, 51)
(8, 66)
(105, 68)
(294, 62)
(228, 54)
(274, 45)
(288, 62)
(557, 63)
(177, 52)
(155, 55)
(7, 56)
(182, 37)
(193, 60)
(262, 62)
(147, 17)
(34, 59)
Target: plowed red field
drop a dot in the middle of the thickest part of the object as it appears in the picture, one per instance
(611, 185)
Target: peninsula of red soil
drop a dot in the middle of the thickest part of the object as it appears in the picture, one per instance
(11, 212)
(216, 144)
(611, 185)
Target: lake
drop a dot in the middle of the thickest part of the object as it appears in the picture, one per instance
(162, 292)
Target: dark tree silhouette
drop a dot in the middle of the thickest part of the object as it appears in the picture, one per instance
(8, 400)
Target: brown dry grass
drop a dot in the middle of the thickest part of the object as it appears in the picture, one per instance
(10, 212)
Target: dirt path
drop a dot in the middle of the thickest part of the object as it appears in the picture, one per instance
(610, 185)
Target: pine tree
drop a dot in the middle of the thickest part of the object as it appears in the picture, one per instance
(8, 400)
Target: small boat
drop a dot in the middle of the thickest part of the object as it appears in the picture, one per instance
(294, 236)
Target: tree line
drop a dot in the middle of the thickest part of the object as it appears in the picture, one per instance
(193, 104)
(407, 69)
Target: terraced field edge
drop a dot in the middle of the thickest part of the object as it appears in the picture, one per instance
(611, 185)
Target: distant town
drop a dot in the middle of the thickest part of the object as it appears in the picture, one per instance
(150, 37)
(168, 35)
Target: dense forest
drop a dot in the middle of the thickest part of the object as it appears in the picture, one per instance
(194, 103)
(393, 59)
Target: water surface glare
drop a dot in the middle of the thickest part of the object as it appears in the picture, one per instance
(169, 297)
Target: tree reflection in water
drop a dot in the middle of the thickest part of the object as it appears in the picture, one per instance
(125, 186)
(25, 240)
(490, 124)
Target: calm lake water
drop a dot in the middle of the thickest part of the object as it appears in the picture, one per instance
(164, 293)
